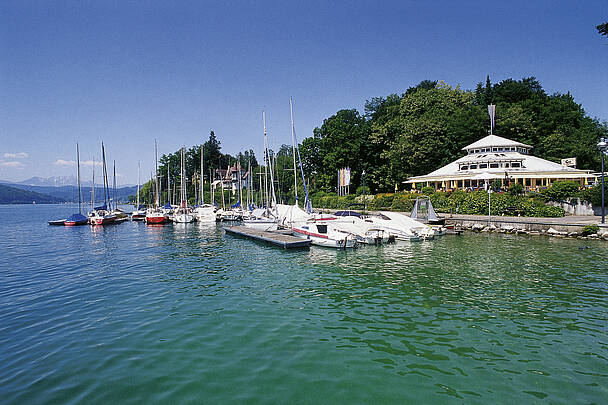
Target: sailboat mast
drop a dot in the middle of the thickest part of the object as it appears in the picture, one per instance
(138, 181)
(202, 187)
(114, 185)
(93, 188)
(265, 160)
(106, 194)
(293, 147)
(156, 174)
(169, 184)
(78, 173)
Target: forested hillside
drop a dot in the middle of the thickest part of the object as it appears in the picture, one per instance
(399, 136)
(13, 195)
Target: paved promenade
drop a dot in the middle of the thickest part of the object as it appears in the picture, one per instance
(569, 220)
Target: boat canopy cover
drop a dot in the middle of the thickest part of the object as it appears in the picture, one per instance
(423, 209)
(141, 207)
(102, 207)
(167, 206)
(77, 218)
(347, 214)
(238, 204)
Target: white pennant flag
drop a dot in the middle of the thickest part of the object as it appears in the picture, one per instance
(492, 112)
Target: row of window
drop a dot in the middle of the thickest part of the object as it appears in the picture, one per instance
(498, 149)
(507, 165)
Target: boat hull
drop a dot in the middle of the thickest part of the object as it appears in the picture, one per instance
(324, 240)
(103, 220)
(156, 219)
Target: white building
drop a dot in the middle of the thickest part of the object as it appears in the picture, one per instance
(500, 158)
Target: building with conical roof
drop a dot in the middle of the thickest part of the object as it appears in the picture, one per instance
(495, 157)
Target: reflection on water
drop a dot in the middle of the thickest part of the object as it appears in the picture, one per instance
(183, 313)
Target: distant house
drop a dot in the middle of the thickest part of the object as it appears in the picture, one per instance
(494, 157)
(230, 178)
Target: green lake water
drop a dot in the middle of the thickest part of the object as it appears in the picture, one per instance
(186, 314)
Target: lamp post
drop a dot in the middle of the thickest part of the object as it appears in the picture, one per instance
(603, 147)
(364, 194)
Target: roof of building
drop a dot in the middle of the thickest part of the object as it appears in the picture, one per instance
(494, 140)
(530, 164)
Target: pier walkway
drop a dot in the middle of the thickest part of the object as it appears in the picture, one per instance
(273, 237)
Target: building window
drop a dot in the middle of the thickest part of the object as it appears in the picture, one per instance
(464, 167)
(494, 165)
(473, 167)
(506, 165)
(515, 164)
(483, 166)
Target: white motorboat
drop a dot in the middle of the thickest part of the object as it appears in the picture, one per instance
(364, 229)
(324, 233)
(402, 227)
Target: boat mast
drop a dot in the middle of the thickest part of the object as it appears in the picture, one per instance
(265, 160)
(202, 186)
(78, 173)
(114, 185)
(156, 174)
(138, 181)
(168, 183)
(240, 186)
(106, 193)
(93, 188)
(293, 147)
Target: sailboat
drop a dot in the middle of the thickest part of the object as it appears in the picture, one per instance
(265, 219)
(204, 212)
(74, 219)
(156, 215)
(120, 214)
(101, 215)
(183, 214)
(321, 230)
(139, 214)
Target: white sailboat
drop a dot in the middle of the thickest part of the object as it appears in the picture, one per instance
(204, 213)
(102, 215)
(183, 214)
(139, 214)
(265, 219)
(155, 215)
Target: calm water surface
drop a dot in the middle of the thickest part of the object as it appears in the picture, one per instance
(182, 313)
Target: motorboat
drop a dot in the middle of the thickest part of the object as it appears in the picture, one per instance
(401, 226)
(324, 233)
(363, 228)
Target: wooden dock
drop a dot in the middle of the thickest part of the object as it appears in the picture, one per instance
(276, 238)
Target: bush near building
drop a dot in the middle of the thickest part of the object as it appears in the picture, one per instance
(457, 202)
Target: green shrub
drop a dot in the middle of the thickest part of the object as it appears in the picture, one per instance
(516, 189)
(590, 229)
(428, 190)
(402, 203)
(561, 190)
(361, 190)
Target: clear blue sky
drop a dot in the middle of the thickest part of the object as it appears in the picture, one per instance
(127, 72)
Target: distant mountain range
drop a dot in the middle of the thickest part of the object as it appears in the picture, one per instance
(13, 195)
(55, 181)
(68, 193)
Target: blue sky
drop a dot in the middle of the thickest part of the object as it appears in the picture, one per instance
(128, 72)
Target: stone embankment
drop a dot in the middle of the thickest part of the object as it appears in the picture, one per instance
(569, 226)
